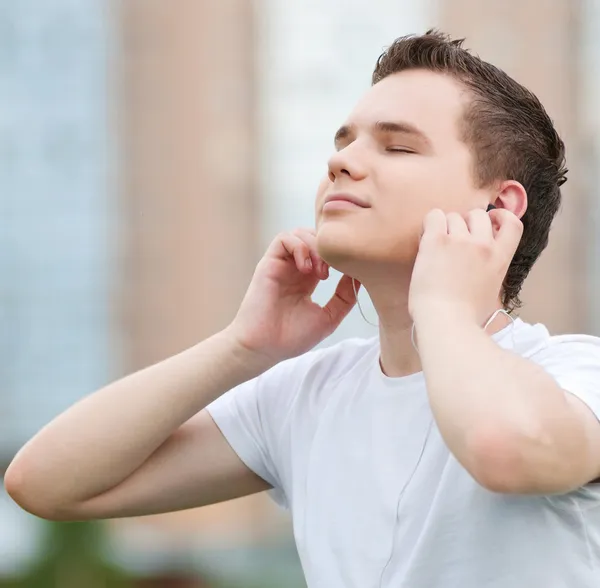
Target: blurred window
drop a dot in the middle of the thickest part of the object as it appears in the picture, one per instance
(55, 209)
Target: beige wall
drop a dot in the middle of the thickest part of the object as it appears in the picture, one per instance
(537, 43)
(190, 231)
(188, 162)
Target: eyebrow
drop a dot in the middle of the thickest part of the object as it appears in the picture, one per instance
(385, 127)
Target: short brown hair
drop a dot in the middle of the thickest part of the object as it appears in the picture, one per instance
(511, 136)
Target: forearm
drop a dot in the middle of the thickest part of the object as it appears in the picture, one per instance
(104, 438)
(490, 405)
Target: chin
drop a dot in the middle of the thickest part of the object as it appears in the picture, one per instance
(345, 249)
(339, 245)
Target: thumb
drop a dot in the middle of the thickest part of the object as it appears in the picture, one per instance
(342, 301)
(508, 228)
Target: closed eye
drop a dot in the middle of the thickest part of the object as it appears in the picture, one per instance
(399, 150)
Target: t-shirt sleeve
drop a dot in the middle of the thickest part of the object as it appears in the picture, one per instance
(574, 362)
(256, 417)
(252, 418)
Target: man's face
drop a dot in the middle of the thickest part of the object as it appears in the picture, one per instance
(399, 153)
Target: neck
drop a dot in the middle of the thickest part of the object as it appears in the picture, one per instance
(390, 299)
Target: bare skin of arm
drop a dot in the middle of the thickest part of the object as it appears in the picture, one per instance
(144, 444)
(141, 445)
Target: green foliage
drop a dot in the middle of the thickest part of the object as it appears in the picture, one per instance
(72, 558)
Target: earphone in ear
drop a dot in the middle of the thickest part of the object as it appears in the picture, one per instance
(490, 207)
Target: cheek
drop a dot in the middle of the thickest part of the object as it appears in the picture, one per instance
(324, 185)
(453, 185)
(432, 183)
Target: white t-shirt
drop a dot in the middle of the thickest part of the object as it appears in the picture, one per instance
(376, 498)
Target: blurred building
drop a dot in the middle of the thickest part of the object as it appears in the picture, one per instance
(148, 153)
(56, 229)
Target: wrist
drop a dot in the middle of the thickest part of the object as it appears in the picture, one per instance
(243, 356)
(439, 310)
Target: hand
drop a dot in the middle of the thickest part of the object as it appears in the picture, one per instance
(461, 264)
(277, 318)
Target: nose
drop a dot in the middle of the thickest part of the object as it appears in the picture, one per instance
(347, 162)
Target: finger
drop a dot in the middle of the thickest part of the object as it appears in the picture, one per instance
(479, 224)
(456, 224)
(309, 237)
(435, 223)
(493, 219)
(509, 228)
(305, 230)
(342, 301)
(321, 268)
(292, 246)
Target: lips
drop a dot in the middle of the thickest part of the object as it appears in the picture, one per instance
(349, 198)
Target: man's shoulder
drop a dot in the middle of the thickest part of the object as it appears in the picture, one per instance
(333, 360)
(346, 349)
(574, 349)
(320, 367)
(538, 344)
(309, 375)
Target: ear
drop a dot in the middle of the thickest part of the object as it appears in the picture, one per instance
(511, 196)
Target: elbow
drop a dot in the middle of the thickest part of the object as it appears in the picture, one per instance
(496, 460)
(17, 488)
(30, 498)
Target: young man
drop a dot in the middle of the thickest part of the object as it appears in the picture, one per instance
(464, 460)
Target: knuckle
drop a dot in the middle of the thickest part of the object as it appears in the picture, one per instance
(433, 213)
(304, 235)
(288, 240)
(511, 220)
(519, 225)
(280, 240)
(435, 238)
(485, 248)
(477, 213)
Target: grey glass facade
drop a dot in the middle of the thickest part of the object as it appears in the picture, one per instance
(55, 208)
